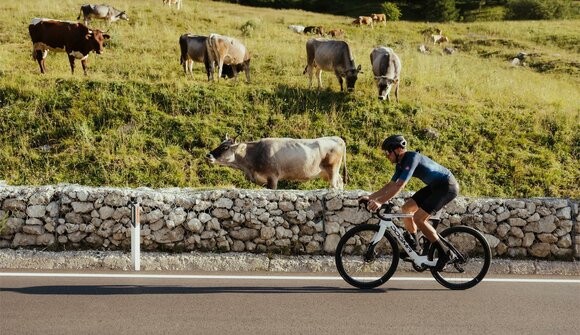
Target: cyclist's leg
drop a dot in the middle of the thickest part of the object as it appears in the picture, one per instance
(410, 207)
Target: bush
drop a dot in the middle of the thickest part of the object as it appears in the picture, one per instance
(539, 9)
(392, 12)
(248, 28)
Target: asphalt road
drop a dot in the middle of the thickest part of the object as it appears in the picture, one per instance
(224, 303)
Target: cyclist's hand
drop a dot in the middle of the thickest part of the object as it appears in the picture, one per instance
(373, 205)
(363, 200)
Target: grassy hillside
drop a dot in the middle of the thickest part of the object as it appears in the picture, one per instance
(136, 120)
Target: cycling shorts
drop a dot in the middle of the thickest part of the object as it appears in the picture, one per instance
(432, 198)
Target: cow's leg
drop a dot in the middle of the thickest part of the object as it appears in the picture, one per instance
(220, 68)
(309, 70)
(38, 56)
(339, 77)
(84, 64)
(397, 91)
(319, 75)
(71, 60)
(272, 183)
(247, 70)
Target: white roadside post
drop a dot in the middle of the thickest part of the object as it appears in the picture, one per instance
(135, 236)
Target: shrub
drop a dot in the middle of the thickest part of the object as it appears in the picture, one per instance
(392, 11)
(248, 28)
(539, 9)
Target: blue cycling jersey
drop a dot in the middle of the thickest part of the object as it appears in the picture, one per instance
(417, 165)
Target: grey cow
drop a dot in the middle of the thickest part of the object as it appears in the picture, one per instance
(101, 12)
(387, 70)
(269, 160)
(194, 49)
(331, 55)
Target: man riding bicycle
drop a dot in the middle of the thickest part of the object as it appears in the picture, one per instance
(442, 187)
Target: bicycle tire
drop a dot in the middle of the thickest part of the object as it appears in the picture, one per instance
(350, 257)
(474, 247)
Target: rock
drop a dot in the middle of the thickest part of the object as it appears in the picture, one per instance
(14, 205)
(267, 233)
(224, 203)
(330, 243)
(36, 211)
(82, 207)
(194, 225)
(540, 250)
(244, 234)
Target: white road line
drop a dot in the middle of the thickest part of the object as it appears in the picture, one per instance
(272, 277)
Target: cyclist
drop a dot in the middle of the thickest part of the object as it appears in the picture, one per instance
(442, 187)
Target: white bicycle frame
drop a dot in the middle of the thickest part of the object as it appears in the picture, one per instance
(388, 225)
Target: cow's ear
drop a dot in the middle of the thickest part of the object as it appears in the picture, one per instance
(359, 68)
(235, 139)
(227, 137)
(88, 36)
(106, 36)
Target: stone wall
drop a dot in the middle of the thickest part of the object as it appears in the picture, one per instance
(290, 222)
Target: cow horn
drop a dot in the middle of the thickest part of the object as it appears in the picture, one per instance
(227, 137)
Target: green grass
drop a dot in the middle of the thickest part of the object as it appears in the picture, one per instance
(136, 120)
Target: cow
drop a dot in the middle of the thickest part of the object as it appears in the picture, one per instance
(363, 20)
(438, 39)
(194, 49)
(317, 30)
(76, 39)
(387, 70)
(379, 18)
(101, 12)
(227, 50)
(297, 29)
(336, 33)
(331, 55)
(269, 160)
(169, 3)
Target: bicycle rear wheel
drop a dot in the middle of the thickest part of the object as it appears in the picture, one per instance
(472, 265)
(364, 265)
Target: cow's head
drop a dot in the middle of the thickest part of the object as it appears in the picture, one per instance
(123, 16)
(224, 153)
(351, 77)
(384, 85)
(96, 38)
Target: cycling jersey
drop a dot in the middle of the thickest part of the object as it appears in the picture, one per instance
(417, 165)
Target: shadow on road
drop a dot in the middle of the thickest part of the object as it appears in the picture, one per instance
(147, 289)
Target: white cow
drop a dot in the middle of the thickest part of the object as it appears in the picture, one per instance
(101, 12)
(296, 28)
(387, 70)
(169, 3)
(227, 50)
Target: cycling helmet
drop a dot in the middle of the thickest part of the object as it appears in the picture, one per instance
(393, 142)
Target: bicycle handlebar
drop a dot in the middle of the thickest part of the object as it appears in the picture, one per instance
(385, 208)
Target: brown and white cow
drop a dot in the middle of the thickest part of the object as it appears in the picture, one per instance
(194, 49)
(76, 39)
(331, 55)
(169, 3)
(387, 70)
(438, 39)
(363, 21)
(379, 18)
(227, 50)
(336, 33)
(101, 12)
(266, 161)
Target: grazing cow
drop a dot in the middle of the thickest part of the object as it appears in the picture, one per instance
(438, 39)
(269, 160)
(227, 50)
(169, 3)
(297, 29)
(331, 55)
(194, 49)
(363, 20)
(71, 37)
(101, 12)
(387, 70)
(336, 33)
(318, 30)
(379, 18)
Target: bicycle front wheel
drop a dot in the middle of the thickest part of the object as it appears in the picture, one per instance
(362, 264)
(474, 259)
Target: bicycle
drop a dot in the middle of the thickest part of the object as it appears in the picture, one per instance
(368, 254)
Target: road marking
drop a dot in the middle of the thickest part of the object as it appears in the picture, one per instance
(262, 277)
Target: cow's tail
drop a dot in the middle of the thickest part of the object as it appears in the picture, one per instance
(344, 171)
(183, 47)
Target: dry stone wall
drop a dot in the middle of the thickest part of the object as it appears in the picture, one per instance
(292, 222)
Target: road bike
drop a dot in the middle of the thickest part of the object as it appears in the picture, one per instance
(367, 255)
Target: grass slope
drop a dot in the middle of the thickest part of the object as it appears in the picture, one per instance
(136, 120)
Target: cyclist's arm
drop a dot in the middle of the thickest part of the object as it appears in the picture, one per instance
(388, 191)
